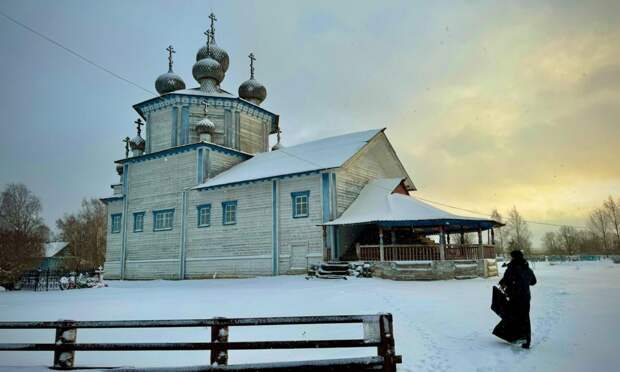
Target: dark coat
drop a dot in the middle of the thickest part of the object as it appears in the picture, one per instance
(517, 281)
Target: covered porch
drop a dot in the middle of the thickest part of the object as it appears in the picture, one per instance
(385, 223)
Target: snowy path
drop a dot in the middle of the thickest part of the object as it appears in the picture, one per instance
(439, 326)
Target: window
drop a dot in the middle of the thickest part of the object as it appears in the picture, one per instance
(138, 222)
(300, 204)
(204, 215)
(229, 212)
(116, 223)
(162, 220)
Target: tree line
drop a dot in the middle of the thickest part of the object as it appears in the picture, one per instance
(23, 234)
(601, 234)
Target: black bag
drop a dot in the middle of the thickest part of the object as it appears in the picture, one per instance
(499, 303)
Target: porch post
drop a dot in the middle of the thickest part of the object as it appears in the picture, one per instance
(462, 237)
(393, 236)
(480, 248)
(381, 252)
(492, 236)
(442, 244)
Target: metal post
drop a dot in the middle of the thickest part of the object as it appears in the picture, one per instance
(381, 251)
(442, 244)
(65, 335)
(219, 355)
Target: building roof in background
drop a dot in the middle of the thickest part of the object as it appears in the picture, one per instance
(378, 203)
(53, 248)
(311, 156)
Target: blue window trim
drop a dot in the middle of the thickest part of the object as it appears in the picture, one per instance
(136, 214)
(294, 195)
(112, 217)
(163, 211)
(200, 208)
(224, 205)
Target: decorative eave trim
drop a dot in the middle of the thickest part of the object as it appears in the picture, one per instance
(291, 175)
(111, 199)
(143, 108)
(185, 148)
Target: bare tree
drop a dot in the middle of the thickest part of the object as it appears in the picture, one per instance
(613, 211)
(22, 232)
(568, 239)
(551, 244)
(517, 233)
(599, 225)
(85, 232)
(495, 215)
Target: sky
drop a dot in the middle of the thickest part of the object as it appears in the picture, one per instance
(488, 104)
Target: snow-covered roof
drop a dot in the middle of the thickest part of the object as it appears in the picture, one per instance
(378, 203)
(316, 155)
(200, 92)
(52, 249)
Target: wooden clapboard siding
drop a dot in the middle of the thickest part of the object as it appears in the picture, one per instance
(253, 133)
(296, 231)
(160, 126)
(113, 242)
(219, 162)
(244, 248)
(376, 160)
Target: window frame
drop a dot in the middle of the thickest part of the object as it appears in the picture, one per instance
(226, 204)
(161, 212)
(120, 223)
(294, 196)
(199, 209)
(135, 215)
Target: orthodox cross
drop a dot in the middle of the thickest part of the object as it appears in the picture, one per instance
(126, 140)
(252, 59)
(209, 34)
(139, 123)
(205, 103)
(278, 133)
(213, 20)
(170, 50)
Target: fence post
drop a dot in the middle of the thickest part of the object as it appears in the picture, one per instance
(386, 348)
(381, 251)
(358, 251)
(65, 335)
(219, 355)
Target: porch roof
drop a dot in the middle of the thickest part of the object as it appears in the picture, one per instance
(378, 203)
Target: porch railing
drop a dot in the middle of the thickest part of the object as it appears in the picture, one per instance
(422, 252)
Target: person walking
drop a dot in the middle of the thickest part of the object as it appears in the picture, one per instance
(516, 284)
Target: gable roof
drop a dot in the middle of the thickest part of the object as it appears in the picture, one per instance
(53, 248)
(378, 203)
(326, 153)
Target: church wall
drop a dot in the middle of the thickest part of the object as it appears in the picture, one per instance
(219, 162)
(160, 129)
(301, 239)
(242, 249)
(113, 243)
(254, 134)
(374, 161)
(156, 184)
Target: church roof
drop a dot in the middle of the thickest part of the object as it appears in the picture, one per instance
(379, 203)
(311, 156)
(53, 248)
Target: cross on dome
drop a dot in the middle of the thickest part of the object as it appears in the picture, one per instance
(139, 123)
(252, 59)
(170, 50)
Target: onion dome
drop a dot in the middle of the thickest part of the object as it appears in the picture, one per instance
(215, 52)
(137, 143)
(208, 72)
(251, 90)
(169, 82)
(205, 125)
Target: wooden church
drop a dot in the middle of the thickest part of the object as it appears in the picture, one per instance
(202, 195)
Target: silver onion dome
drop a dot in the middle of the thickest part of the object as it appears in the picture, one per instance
(169, 82)
(252, 90)
(137, 143)
(215, 52)
(205, 125)
(208, 68)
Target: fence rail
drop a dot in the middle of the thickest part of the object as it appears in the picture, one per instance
(41, 280)
(378, 332)
(423, 252)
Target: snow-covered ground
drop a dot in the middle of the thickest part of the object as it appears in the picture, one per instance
(439, 326)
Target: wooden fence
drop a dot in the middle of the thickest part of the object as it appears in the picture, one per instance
(378, 332)
(421, 252)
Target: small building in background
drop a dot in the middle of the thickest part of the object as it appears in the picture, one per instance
(57, 256)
